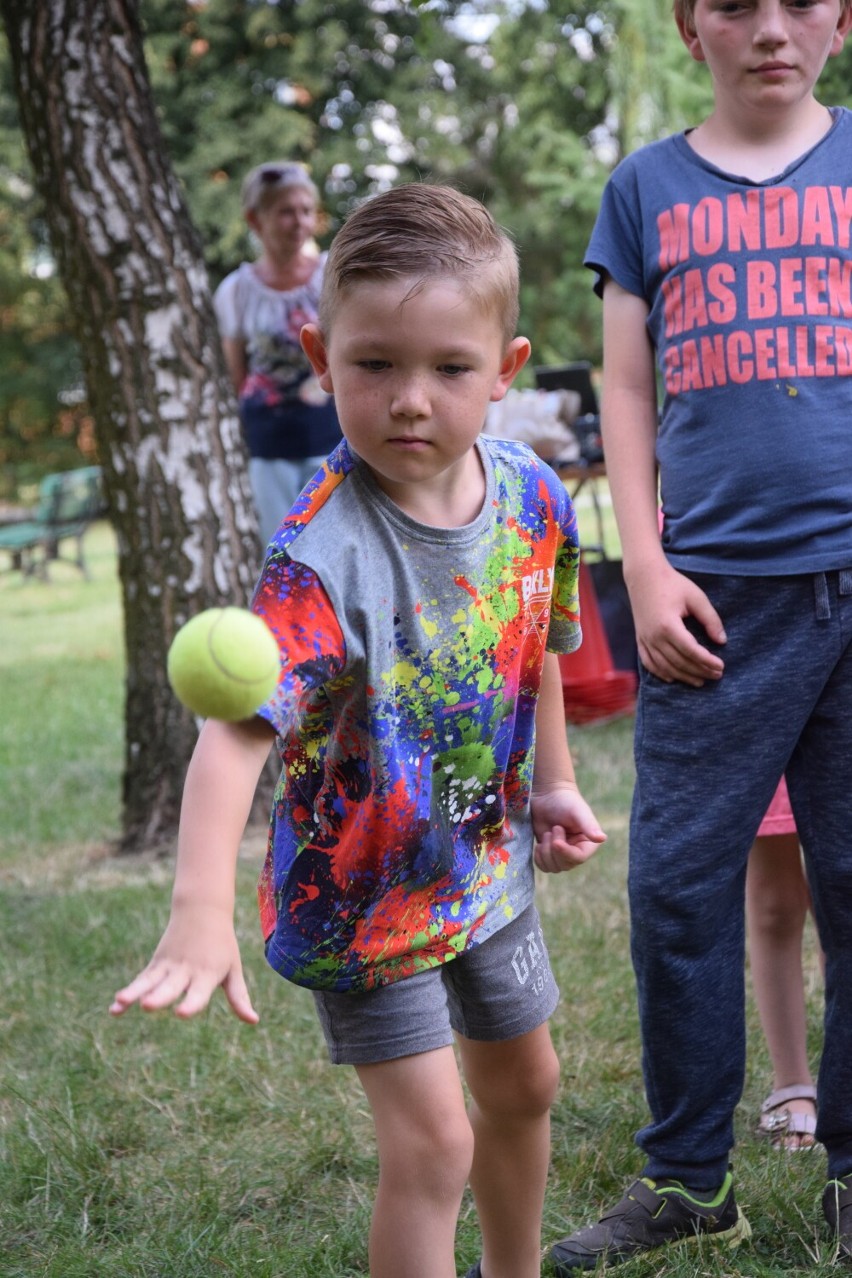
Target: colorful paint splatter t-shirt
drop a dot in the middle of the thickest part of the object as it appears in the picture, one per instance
(405, 714)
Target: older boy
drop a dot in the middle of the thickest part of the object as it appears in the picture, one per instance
(414, 589)
(726, 252)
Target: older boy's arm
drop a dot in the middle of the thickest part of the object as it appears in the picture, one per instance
(660, 596)
(566, 829)
(198, 951)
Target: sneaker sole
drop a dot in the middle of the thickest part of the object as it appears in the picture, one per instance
(738, 1233)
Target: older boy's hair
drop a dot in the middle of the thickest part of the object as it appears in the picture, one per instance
(424, 232)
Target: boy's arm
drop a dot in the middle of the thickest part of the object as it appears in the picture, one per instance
(198, 950)
(660, 596)
(566, 830)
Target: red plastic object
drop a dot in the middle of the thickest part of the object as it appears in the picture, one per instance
(592, 689)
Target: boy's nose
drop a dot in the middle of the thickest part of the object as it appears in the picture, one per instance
(771, 28)
(410, 398)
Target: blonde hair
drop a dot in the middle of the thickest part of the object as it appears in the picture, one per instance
(265, 181)
(423, 232)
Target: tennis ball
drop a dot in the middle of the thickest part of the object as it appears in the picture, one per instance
(224, 663)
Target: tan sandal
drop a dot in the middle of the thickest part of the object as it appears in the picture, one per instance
(784, 1126)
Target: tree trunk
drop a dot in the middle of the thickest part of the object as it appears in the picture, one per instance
(168, 435)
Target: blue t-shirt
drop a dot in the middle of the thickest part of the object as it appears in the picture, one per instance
(412, 658)
(749, 286)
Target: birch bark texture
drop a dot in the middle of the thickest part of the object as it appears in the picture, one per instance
(167, 428)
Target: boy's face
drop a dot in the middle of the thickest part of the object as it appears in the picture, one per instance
(412, 378)
(765, 54)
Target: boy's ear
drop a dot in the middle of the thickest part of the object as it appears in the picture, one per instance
(313, 344)
(515, 356)
(844, 25)
(689, 36)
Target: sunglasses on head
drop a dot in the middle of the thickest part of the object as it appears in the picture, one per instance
(277, 173)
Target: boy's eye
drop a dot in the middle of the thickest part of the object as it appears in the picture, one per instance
(373, 365)
(453, 370)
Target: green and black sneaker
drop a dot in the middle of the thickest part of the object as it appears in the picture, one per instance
(653, 1213)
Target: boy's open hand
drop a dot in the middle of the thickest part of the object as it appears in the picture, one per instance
(661, 599)
(565, 827)
(198, 952)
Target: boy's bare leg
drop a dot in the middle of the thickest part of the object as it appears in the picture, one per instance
(777, 901)
(425, 1150)
(512, 1085)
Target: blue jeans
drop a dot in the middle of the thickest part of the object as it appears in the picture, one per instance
(708, 761)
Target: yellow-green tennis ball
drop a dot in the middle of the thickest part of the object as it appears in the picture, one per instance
(224, 664)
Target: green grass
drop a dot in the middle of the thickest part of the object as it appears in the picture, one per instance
(61, 675)
(147, 1147)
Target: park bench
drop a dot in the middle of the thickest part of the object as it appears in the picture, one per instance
(68, 502)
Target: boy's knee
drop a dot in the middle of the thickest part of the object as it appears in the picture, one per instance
(440, 1149)
(523, 1093)
(450, 1144)
(545, 1082)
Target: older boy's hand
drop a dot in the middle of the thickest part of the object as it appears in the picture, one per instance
(661, 599)
(565, 827)
(198, 952)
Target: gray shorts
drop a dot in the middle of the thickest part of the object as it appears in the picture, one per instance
(498, 990)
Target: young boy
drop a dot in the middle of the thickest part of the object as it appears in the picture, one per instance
(413, 588)
(726, 253)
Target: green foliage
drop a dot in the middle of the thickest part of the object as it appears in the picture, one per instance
(549, 165)
(835, 85)
(656, 88)
(523, 103)
(368, 96)
(38, 354)
(338, 86)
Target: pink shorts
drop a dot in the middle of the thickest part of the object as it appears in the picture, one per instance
(779, 815)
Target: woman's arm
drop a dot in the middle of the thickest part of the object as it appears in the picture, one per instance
(234, 349)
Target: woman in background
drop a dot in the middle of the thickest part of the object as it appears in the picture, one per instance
(290, 424)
